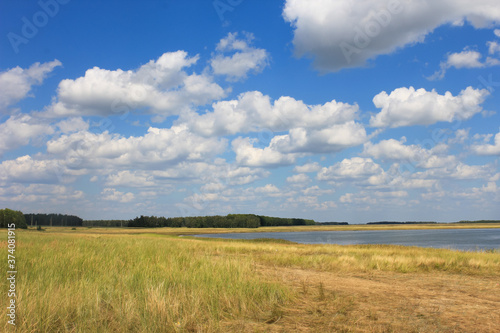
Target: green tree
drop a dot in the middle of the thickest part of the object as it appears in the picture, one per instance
(9, 216)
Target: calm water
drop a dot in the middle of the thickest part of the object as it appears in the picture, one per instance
(459, 239)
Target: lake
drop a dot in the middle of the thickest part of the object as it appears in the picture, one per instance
(458, 239)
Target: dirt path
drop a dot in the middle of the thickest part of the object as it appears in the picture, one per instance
(383, 302)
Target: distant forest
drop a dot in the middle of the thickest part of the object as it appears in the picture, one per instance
(228, 221)
(217, 221)
(53, 220)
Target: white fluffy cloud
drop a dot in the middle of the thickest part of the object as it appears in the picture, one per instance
(344, 33)
(20, 130)
(309, 167)
(466, 59)
(244, 59)
(16, 83)
(110, 194)
(268, 189)
(158, 147)
(254, 112)
(216, 176)
(326, 140)
(349, 169)
(247, 154)
(493, 48)
(488, 149)
(407, 106)
(25, 169)
(416, 155)
(325, 128)
(159, 87)
(316, 191)
(71, 125)
(130, 179)
(284, 149)
(457, 171)
(366, 173)
(299, 178)
(42, 195)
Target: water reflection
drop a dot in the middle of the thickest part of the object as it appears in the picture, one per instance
(459, 239)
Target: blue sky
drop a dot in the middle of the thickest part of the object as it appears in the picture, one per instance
(330, 110)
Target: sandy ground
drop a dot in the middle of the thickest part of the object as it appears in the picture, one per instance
(381, 302)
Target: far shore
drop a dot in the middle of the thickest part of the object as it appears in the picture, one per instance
(302, 228)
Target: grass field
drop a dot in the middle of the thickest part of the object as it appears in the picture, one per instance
(150, 280)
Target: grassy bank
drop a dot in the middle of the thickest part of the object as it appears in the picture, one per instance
(140, 281)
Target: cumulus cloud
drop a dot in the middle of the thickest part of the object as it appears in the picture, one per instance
(130, 179)
(366, 173)
(407, 106)
(364, 198)
(217, 171)
(488, 149)
(160, 87)
(245, 175)
(326, 140)
(19, 130)
(159, 146)
(110, 194)
(464, 171)
(458, 170)
(16, 83)
(247, 154)
(267, 189)
(299, 178)
(25, 169)
(72, 125)
(349, 169)
(414, 154)
(342, 34)
(466, 59)
(309, 167)
(41, 194)
(284, 149)
(213, 187)
(254, 112)
(244, 58)
(493, 47)
(316, 191)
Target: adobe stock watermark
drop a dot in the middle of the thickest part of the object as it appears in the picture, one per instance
(11, 274)
(30, 27)
(488, 83)
(365, 33)
(223, 6)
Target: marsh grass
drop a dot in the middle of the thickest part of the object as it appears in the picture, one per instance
(103, 280)
(390, 258)
(74, 283)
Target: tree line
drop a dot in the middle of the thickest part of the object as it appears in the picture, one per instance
(105, 223)
(229, 221)
(217, 221)
(53, 220)
(9, 217)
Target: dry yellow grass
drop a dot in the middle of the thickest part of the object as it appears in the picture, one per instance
(147, 280)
